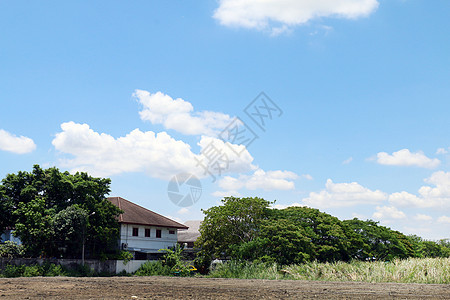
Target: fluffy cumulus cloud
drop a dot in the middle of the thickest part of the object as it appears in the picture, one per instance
(159, 155)
(179, 115)
(260, 179)
(387, 213)
(406, 158)
(435, 196)
(16, 144)
(344, 195)
(280, 15)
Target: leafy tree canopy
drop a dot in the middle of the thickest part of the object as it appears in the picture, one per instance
(48, 209)
(248, 229)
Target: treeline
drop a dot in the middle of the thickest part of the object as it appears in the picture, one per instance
(54, 213)
(248, 229)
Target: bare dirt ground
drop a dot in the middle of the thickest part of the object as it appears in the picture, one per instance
(207, 288)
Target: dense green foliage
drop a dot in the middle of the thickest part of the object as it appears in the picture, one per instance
(11, 250)
(247, 229)
(33, 270)
(52, 212)
(154, 268)
(171, 263)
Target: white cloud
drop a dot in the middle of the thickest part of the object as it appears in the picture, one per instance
(441, 151)
(179, 115)
(183, 211)
(16, 144)
(405, 158)
(344, 195)
(260, 179)
(230, 160)
(347, 161)
(223, 194)
(307, 176)
(102, 155)
(437, 197)
(388, 213)
(280, 15)
(159, 155)
(422, 217)
(444, 219)
(283, 206)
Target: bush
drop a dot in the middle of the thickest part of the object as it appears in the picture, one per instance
(33, 270)
(126, 256)
(13, 271)
(10, 249)
(153, 268)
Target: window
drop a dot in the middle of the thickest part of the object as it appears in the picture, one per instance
(135, 231)
(171, 231)
(147, 232)
(158, 233)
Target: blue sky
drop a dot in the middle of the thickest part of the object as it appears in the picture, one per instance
(137, 91)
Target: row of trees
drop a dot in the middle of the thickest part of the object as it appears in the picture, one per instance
(248, 229)
(56, 213)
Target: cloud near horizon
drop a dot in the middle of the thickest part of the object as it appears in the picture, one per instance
(437, 197)
(16, 144)
(344, 195)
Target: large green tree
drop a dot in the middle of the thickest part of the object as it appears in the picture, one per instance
(29, 202)
(248, 229)
(380, 243)
(236, 221)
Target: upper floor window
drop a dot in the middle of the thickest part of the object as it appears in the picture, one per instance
(147, 232)
(171, 231)
(158, 233)
(135, 231)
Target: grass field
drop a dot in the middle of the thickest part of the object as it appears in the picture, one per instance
(413, 270)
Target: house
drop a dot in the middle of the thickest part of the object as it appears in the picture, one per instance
(188, 237)
(143, 232)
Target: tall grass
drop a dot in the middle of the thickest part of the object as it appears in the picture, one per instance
(412, 270)
(247, 270)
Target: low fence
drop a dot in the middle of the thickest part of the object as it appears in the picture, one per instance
(108, 266)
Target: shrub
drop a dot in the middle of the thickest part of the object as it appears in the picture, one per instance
(126, 256)
(13, 271)
(10, 249)
(153, 268)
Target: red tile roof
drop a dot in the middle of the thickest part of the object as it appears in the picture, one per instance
(135, 214)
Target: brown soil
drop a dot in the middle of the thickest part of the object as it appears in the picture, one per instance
(206, 288)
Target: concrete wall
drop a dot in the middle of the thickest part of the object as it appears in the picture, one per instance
(109, 266)
(131, 267)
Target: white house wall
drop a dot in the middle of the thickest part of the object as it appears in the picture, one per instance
(138, 243)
